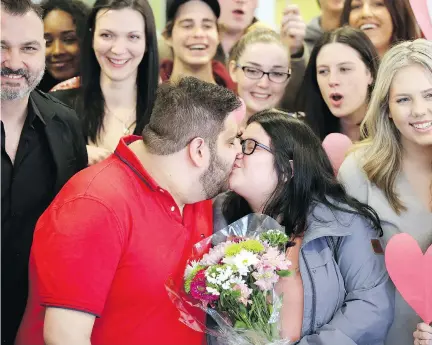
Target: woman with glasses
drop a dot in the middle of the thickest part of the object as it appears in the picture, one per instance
(338, 82)
(333, 297)
(260, 65)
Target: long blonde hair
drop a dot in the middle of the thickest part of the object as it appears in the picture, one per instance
(382, 148)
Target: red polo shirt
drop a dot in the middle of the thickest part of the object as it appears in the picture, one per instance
(106, 246)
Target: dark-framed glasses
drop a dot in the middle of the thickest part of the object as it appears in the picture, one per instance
(256, 73)
(249, 146)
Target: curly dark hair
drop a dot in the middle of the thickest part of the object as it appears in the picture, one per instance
(76, 8)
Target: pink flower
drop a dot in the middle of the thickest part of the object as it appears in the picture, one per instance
(215, 255)
(245, 292)
(274, 259)
(198, 288)
(265, 278)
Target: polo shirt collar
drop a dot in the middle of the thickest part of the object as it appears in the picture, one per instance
(125, 154)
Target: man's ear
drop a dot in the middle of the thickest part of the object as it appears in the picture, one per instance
(199, 152)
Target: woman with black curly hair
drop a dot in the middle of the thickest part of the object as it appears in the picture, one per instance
(64, 22)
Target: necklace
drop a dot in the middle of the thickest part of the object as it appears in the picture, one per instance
(127, 129)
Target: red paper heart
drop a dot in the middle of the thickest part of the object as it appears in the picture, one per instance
(423, 12)
(411, 272)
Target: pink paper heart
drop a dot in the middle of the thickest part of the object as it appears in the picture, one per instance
(411, 272)
(423, 12)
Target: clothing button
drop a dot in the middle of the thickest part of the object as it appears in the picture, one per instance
(313, 270)
(173, 208)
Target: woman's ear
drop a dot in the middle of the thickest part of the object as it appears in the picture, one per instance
(371, 78)
(232, 66)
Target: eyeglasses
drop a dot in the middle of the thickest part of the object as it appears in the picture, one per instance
(255, 73)
(249, 146)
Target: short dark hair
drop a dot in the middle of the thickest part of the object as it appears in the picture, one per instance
(185, 110)
(91, 102)
(21, 7)
(404, 24)
(310, 100)
(311, 181)
(75, 8)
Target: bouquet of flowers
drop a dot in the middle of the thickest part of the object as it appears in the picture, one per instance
(234, 283)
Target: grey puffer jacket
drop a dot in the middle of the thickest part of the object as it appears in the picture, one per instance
(348, 297)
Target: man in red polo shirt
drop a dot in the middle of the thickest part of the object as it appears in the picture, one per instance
(106, 246)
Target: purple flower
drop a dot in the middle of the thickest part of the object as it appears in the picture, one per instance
(198, 288)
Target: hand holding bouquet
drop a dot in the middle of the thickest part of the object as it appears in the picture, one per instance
(234, 282)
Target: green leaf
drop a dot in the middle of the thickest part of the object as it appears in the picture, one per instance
(284, 273)
(240, 324)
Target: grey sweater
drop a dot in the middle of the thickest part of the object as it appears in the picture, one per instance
(416, 221)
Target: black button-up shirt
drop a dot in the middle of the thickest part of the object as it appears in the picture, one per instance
(27, 189)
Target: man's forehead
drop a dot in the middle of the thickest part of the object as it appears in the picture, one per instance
(27, 26)
(238, 114)
(234, 120)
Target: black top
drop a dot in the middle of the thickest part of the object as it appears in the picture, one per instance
(48, 82)
(51, 149)
(70, 97)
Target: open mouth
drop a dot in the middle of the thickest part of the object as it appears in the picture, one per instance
(422, 125)
(368, 26)
(238, 12)
(197, 47)
(260, 96)
(13, 76)
(118, 62)
(336, 99)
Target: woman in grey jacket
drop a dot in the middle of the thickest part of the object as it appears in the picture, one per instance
(340, 294)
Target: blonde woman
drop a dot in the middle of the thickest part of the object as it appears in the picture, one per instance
(391, 170)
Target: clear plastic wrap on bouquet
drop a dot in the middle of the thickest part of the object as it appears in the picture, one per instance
(228, 289)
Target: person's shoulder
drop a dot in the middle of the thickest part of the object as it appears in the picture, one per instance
(52, 108)
(338, 217)
(48, 101)
(66, 97)
(103, 181)
(352, 166)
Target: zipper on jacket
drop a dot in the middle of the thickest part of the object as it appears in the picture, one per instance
(313, 292)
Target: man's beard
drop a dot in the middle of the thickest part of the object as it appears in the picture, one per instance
(216, 179)
(12, 93)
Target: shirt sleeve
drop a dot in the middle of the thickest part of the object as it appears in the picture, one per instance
(76, 251)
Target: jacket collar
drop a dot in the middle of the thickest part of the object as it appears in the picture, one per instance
(41, 107)
(45, 110)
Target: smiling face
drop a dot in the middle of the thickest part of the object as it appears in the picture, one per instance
(62, 48)
(343, 79)
(260, 94)
(22, 54)
(410, 105)
(373, 17)
(119, 43)
(237, 15)
(194, 36)
(254, 176)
